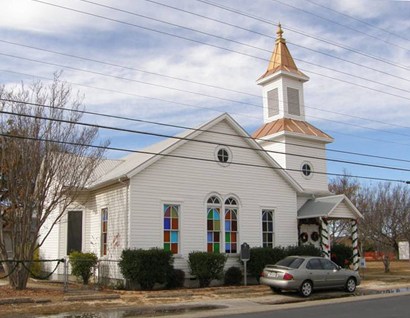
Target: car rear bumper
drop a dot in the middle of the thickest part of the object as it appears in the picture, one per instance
(280, 284)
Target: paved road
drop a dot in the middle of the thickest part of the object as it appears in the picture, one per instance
(388, 307)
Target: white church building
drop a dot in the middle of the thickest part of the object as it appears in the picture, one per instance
(215, 187)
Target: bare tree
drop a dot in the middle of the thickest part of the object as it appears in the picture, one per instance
(350, 187)
(46, 160)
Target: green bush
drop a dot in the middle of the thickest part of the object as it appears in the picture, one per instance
(303, 250)
(233, 276)
(206, 266)
(82, 265)
(146, 267)
(260, 256)
(341, 255)
(175, 279)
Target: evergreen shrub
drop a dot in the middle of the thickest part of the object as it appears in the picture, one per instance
(175, 279)
(206, 266)
(82, 265)
(233, 276)
(341, 254)
(146, 267)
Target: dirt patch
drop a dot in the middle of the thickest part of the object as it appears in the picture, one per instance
(49, 297)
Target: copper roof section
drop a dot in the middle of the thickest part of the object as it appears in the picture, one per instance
(281, 59)
(289, 125)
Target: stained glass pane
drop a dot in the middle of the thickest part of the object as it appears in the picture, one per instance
(209, 237)
(227, 248)
(167, 211)
(210, 214)
(227, 226)
(234, 226)
(175, 224)
(216, 247)
(233, 214)
(228, 215)
(174, 211)
(227, 237)
(167, 237)
(233, 248)
(216, 215)
(216, 237)
(167, 246)
(233, 237)
(174, 248)
(210, 225)
(217, 225)
(167, 224)
(174, 237)
(209, 248)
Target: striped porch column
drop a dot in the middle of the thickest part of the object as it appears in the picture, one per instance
(355, 246)
(324, 238)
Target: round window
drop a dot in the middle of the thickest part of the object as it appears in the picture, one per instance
(307, 170)
(223, 155)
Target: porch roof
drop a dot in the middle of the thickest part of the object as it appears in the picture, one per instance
(333, 207)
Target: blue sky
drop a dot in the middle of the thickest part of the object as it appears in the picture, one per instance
(356, 53)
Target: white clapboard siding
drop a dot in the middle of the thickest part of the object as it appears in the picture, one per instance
(190, 182)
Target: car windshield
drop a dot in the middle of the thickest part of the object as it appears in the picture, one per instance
(291, 262)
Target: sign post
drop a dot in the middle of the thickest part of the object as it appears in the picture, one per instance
(245, 256)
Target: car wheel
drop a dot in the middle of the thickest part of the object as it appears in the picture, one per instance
(276, 290)
(350, 285)
(306, 288)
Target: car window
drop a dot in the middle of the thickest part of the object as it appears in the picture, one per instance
(328, 265)
(291, 262)
(314, 263)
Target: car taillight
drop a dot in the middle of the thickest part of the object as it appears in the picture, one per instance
(287, 276)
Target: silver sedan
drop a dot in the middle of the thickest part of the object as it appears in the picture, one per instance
(306, 273)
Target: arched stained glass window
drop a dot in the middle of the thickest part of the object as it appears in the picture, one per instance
(213, 224)
(231, 226)
(171, 228)
(267, 228)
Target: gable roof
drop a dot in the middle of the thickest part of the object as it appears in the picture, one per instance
(141, 159)
(326, 206)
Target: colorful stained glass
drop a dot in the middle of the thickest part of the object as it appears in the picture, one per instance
(213, 228)
(171, 227)
(231, 228)
(104, 231)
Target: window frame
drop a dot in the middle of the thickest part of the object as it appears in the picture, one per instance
(272, 212)
(228, 153)
(214, 205)
(233, 208)
(311, 170)
(179, 205)
(104, 234)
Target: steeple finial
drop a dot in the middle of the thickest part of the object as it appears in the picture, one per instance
(279, 32)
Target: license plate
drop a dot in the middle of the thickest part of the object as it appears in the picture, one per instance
(273, 275)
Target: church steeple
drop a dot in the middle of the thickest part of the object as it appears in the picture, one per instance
(282, 84)
(281, 58)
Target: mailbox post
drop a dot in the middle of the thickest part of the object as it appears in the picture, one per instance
(245, 256)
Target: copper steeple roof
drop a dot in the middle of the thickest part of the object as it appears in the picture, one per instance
(290, 125)
(281, 59)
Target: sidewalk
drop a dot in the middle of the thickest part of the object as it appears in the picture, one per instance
(48, 298)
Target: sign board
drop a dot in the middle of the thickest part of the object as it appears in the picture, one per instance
(404, 250)
(362, 262)
(245, 252)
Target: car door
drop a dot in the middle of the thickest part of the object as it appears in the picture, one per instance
(334, 277)
(316, 273)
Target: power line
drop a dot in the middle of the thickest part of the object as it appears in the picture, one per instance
(359, 20)
(223, 48)
(340, 24)
(181, 79)
(230, 9)
(241, 43)
(185, 91)
(204, 130)
(191, 158)
(198, 141)
(272, 37)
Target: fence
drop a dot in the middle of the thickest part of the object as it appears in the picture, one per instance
(105, 273)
